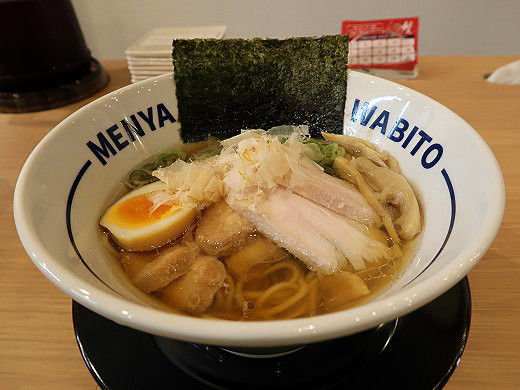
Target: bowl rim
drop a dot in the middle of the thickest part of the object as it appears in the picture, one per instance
(259, 333)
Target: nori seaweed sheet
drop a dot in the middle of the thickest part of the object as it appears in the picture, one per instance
(227, 85)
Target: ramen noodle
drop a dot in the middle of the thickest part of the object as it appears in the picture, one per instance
(265, 225)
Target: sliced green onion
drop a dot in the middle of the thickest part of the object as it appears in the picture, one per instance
(149, 167)
(322, 152)
(283, 139)
(139, 177)
(168, 158)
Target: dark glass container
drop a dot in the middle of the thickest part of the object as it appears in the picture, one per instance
(44, 60)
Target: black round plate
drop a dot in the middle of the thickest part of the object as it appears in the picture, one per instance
(58, 95)
(423, 352)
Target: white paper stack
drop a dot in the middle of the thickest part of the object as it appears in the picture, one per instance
(152, 54)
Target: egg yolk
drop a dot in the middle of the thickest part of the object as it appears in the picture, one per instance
(135, 212)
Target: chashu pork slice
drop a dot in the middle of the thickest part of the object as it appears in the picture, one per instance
(322, 239)
(334, 194)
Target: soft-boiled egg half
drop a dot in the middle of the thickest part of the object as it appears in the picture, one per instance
(138, 224)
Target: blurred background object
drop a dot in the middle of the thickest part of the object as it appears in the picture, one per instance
(44, 61)
(151, 55)
(384, 47)
(43, 46)
(448, 27)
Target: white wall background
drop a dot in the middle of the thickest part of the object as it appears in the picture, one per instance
(450, 27)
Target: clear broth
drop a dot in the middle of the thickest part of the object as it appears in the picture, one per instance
(378, 277)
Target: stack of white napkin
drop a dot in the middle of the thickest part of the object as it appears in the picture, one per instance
(507, 74)
(152, 54)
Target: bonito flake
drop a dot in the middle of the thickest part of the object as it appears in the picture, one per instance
(250, 166)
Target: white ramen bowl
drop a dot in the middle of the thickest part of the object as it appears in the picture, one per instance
(65, 185)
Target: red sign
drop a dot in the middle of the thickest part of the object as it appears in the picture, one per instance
(384, 43)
